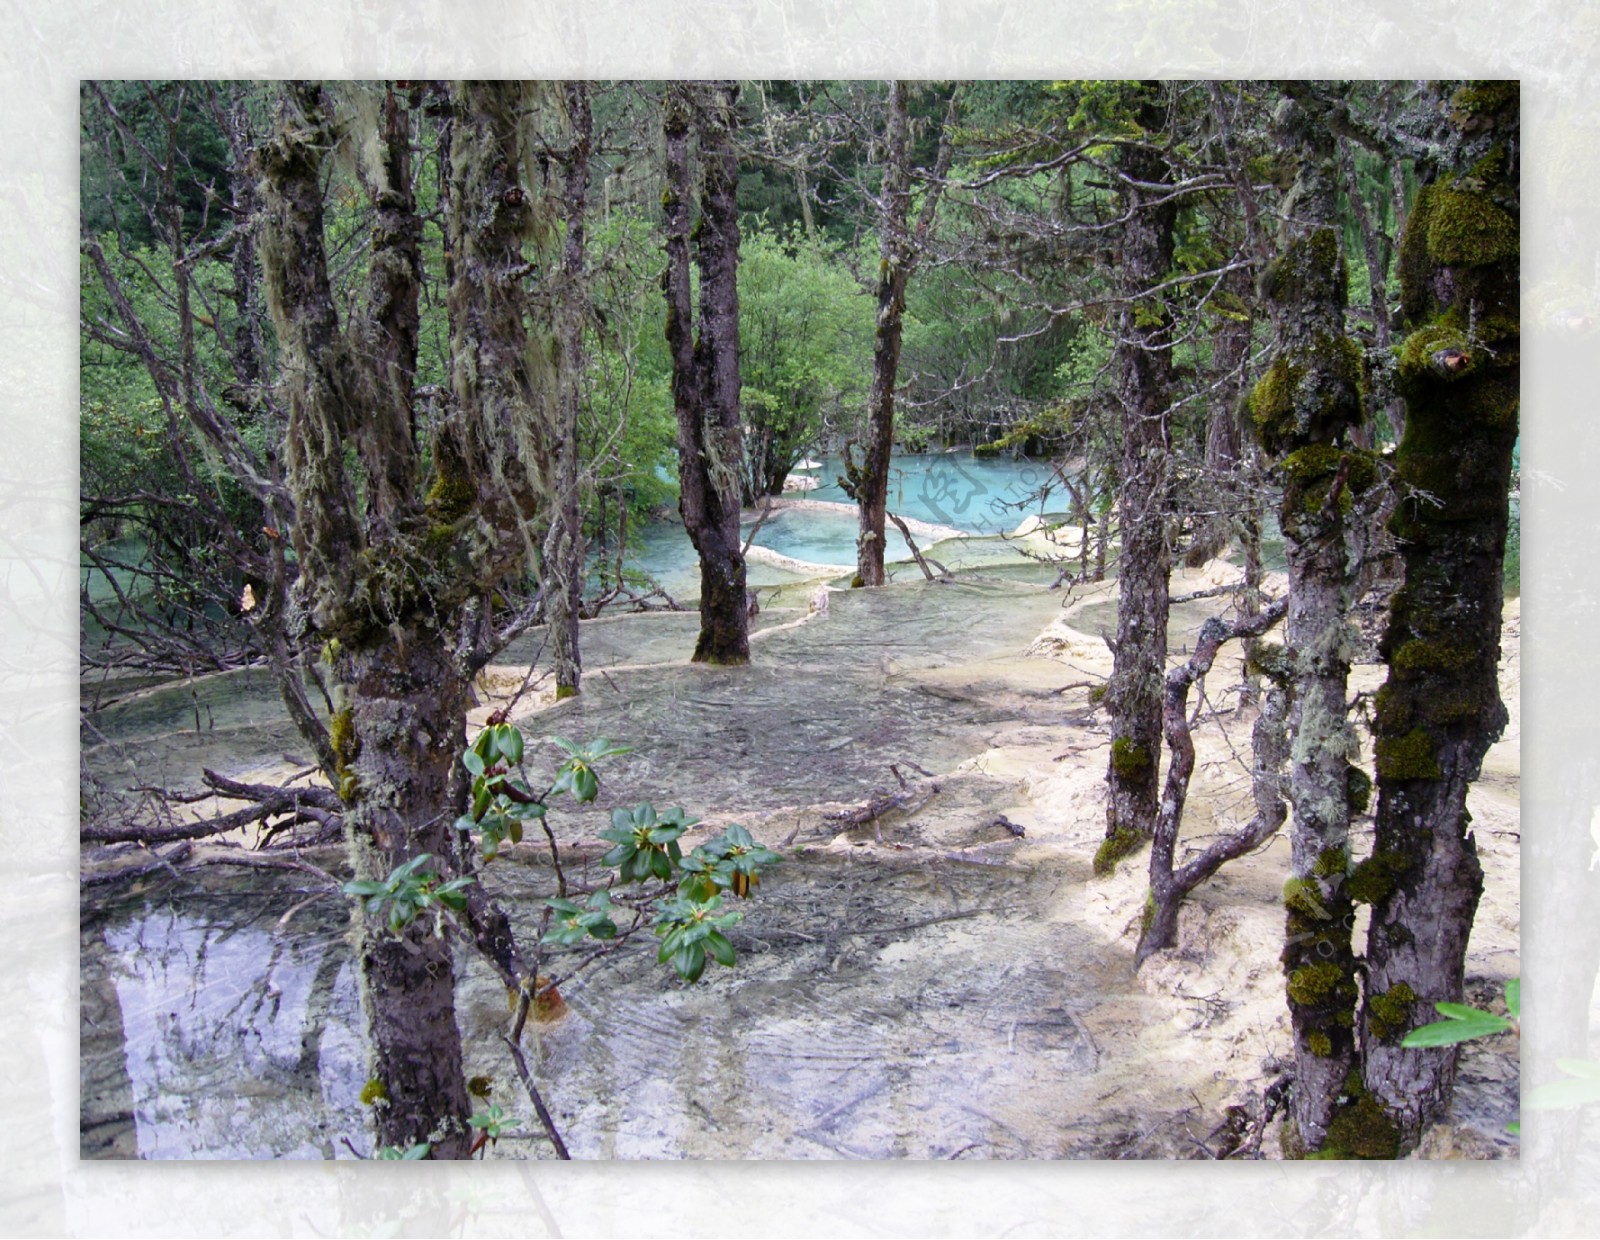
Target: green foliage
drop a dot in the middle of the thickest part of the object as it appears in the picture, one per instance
(412, 888)
(1463, 1023)
(645, 850)
(492, 1121)
(645, 844)
(690, 931)
(574, 922)
(577, 775)
(805, 349)
(731, 862)
(414, 1153)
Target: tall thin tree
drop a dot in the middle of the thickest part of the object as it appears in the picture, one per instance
(900, 245)
(1144, 394)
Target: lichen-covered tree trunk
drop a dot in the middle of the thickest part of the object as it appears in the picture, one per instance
(705, 366)
(400, 705)
(391, 578)
(1440, 708)
(1144, 329)
(1303, 409)
(564, 545)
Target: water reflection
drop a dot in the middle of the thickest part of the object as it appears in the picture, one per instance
(237, 1042)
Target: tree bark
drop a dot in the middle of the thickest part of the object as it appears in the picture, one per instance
(1303, 408)
(402, 701)
(705, 369)
(564, 551)
(898, 250)
(1144, 329)
(1169, 884)
(1440, 709)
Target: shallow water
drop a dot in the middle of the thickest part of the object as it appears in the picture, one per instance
(978, 496)
(912, 1007)
(871, 1015)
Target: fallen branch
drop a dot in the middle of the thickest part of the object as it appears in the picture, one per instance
(878, 806)
(922, 561)
(306, 804)
(122, 873)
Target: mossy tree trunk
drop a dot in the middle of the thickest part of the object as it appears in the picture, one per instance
(899, 247)
(392, 578)
(1303, 409)
(1144, 391)
(564, 550)
(705, 366)
(395, 730)
(1440, 708)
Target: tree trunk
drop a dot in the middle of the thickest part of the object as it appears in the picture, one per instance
(1303, 408)
(1144, 327)
(871, 481)
(898, 251)
(1440, 709)
(1170, 884)
(705, 370)
(401, 701)
(564, 551)
(398, 736)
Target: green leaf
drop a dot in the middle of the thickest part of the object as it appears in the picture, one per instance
(690, 962)
(473, 761)
(1583, 1069)
(584, 784)
(720, 948)
(1464, 1024)
(1514, 998)
(563, 743)
(509, 742)
(698, 887)
(393, 1153)
(407, 869)
(363, 887)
